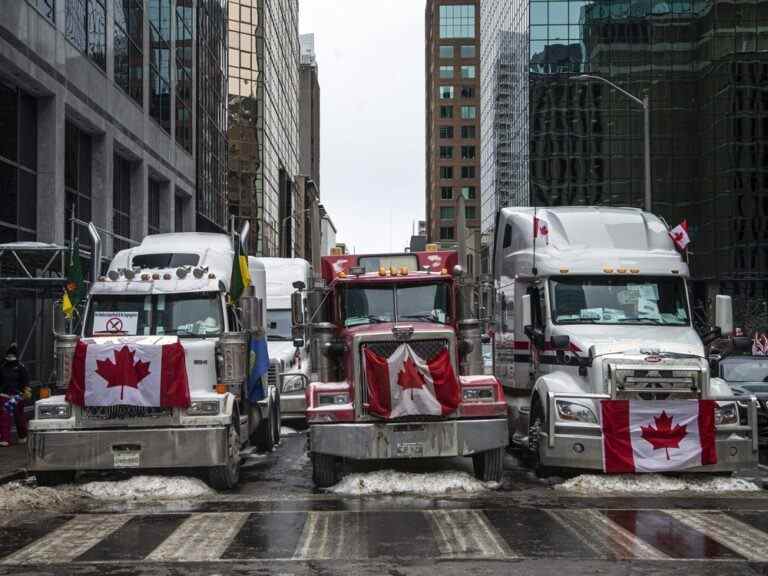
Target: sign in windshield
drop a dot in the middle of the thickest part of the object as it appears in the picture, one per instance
(115, 323)
(390, 303)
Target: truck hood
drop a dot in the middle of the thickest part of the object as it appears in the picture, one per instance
(632, 339)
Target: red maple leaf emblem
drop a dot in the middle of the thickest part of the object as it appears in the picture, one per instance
(409, 377)
(664, 436)
(123, 372)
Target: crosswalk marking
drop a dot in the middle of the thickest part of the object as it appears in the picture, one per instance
(731, 533)
(70, 540)
(467, 534)
(331, 535)
(200, 538)
(603, 535)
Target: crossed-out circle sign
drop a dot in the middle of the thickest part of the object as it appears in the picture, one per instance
(114, 325)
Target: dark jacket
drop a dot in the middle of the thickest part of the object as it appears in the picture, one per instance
(13, 377)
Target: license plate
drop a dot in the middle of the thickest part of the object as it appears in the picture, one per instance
(410, 449)
(127, 458)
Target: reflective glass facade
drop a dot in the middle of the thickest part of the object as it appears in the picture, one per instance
(560, 141)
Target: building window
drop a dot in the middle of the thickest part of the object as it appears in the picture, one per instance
(467, 71)
(468, 112)
(86, 28)
(446, 193)
(46, 7)
(467, 152)
(446, 172)
(467, 92)
(468, 132)
(470, 212)
(446, 72)
(129, 42)
(446, 152)
(77, 176)
(446, 51)
(469, 192)
(18, 166)
(467, 171)
(180, 206)
(153, 208)
(446, 132)
(121, 202)
(184, 48)
(446, 232)
(160, 62)
(446, 92)
(446, 212)
(468, 52)
(446, 111)
(457, 21)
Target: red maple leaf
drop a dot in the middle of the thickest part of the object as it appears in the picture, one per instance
(123, 372)
(664, 436)
(410, 377)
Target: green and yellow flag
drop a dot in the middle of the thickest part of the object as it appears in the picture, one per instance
(241, 276)
(74, 290)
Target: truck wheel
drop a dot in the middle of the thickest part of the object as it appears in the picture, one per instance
(54, 477)
(228, 476)
(534, 441)
(489, 465)
(324, 470)
(277, 418)
(265, 432)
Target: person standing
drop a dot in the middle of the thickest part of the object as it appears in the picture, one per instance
(14, 388)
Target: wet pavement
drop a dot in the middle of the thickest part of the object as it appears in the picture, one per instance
(277, 524)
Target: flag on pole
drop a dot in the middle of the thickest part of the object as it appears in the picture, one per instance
(241, 275)
(540, 228)
(74, 289)
(650, 436)
(679, 235)
(144, 371)
(258, 366)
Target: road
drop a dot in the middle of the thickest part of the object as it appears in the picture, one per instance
(277, 524)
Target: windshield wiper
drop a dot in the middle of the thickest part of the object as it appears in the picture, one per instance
(580, 321)
(428, 317)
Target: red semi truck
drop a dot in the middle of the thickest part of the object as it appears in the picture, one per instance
(400, 371)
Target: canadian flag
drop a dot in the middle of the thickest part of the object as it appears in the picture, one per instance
(405, 385)
(648, 436)
(129, 371)
(679, 235)
(540, 228)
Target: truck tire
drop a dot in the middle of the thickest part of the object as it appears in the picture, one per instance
(324, 473)
(54, 477)
(539, 423)
(227, 477)
(277, 418)
(489, 465)
(265, 432)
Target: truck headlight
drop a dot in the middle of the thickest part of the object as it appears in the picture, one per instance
(292, 384)
(726, 414)
(203, 408)
(54, 411)
(575, 412)
(333, 399)
(478, 394)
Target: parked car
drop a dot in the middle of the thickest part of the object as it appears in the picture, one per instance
(748, 375)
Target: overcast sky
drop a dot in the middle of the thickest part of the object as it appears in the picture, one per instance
(370, 58)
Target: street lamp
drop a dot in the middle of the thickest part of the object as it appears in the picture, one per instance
(645, 103)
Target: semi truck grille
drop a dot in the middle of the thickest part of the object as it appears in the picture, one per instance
(111, 413)
(656, 384)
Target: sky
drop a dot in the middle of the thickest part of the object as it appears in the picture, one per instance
(370, 58)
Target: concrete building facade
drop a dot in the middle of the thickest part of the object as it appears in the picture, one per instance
(309, 110)
(452, 120)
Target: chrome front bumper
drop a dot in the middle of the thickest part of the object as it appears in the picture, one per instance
(157, 447)
(379, 441)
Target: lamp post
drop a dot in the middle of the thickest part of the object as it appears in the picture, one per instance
(645, 103)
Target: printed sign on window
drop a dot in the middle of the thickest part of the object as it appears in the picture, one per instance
(107, 323)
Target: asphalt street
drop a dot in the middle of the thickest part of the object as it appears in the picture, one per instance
(276, 523)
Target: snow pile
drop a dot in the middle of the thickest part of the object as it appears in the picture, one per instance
(147, 488)
(25, 496)
(393, 482)
(655, 484)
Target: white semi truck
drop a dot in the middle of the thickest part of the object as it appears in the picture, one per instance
(289, 346)
(592, 304)
(177, 286)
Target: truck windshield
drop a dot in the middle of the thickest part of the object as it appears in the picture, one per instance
(394, 303)
(196, 314)
(279, 324)
(619, 300)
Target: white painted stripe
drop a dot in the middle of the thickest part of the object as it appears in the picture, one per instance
(467, 534)
(331, 535)
(70, 540)
(200, 538)
(726, 530)
(603, 535)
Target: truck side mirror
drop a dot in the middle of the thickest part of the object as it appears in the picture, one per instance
(561, 342)
(298, 342)
(527, 316)
(724, 314)
(297, 309)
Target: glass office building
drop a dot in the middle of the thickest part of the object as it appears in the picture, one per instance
(575, 142)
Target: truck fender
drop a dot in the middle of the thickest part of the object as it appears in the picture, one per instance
(719, 387)
(229, 404)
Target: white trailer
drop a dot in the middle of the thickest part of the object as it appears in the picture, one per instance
(170, 285)
(597, 307)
